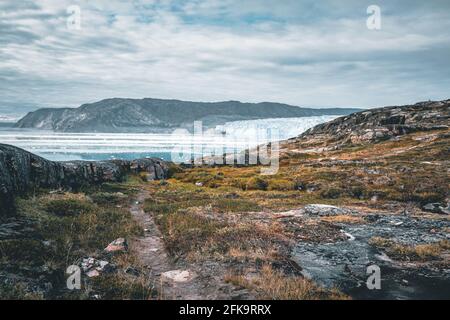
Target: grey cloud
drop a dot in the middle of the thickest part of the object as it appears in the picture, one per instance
(14, 6)
(14, 34)
(300, 52)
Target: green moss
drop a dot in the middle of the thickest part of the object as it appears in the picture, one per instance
(67, 207)
(107, 198)
(282, 185)
(151, 206)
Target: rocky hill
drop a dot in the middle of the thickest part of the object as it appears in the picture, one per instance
(21, 171)
(154, 115)
(377, 125)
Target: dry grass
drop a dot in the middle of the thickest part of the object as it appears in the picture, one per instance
(197, 235)
(261, 254)
(422, 252)
(123, 286)
(270, 284)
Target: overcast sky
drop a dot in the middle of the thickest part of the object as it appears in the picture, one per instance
(301, 52)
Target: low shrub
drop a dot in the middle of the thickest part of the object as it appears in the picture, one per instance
(331, 193)
(257, 183)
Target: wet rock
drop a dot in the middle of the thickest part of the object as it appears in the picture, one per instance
(437, 208)
(344, 264)
(118, 245)
(349, 236)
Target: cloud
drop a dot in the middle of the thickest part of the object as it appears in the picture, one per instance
(298, 52)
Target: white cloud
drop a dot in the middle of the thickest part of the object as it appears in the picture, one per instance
(217, 50)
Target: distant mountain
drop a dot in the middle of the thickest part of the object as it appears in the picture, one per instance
(12, 112)
(157, 115)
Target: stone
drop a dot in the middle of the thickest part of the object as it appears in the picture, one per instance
(324, 210)
(132, 271)
(103, 264)
(349, 236)
(177, 276)
(437, 208)
(87, 264)
(92, 266)
(93, 273)
(118, 245)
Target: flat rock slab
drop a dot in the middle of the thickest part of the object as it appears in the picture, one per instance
(324, 210)
(178, 276)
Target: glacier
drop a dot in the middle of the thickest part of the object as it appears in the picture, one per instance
(230, 137)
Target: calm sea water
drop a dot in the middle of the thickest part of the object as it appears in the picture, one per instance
(233, 136)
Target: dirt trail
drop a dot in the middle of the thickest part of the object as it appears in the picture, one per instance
(173, 281)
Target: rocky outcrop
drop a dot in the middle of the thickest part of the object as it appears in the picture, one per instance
(381, 124)
(155, 115)
(21, 171)
(324, 210)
